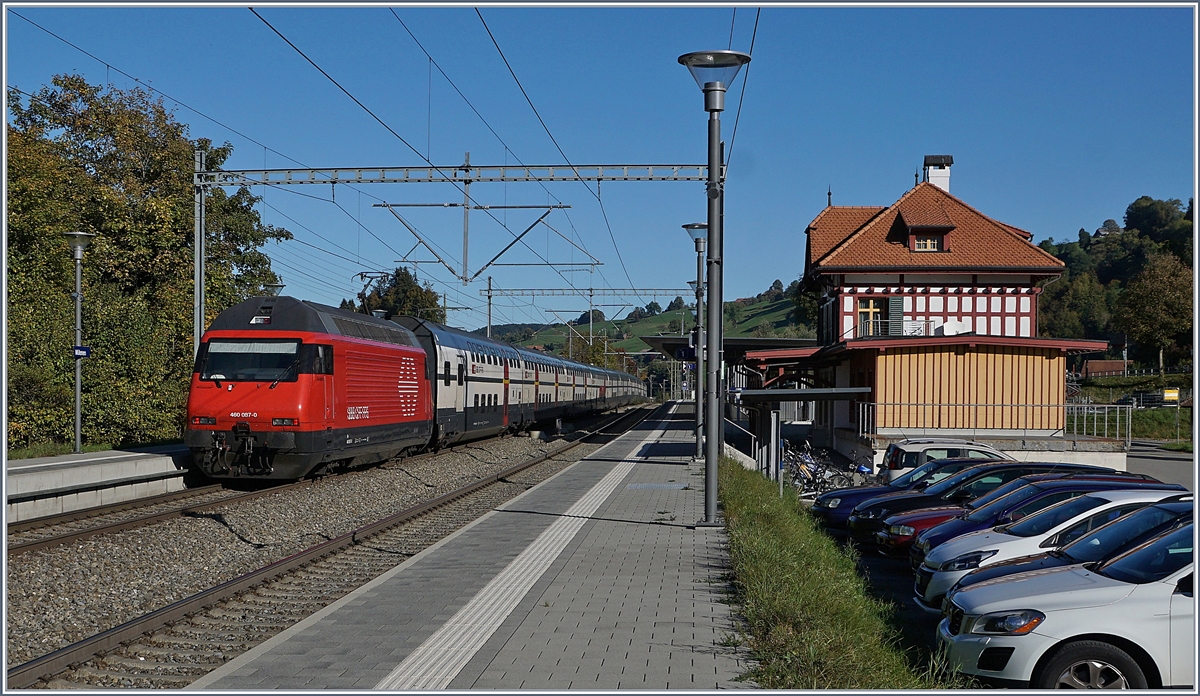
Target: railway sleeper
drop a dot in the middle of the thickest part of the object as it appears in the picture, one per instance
(63, 684)
(259, 609)
(257, 600)
(258, 622)
(199, 644)
(139, 665)
(241, 611)
(226, 634)
(103, 677)
(191, 657)
(299, 594)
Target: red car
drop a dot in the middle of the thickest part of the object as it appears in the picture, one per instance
(900, 530)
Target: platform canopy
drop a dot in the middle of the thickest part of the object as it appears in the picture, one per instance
(735, 348)
(757, 396)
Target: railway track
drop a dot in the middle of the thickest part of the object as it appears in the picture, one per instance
(173, 646)
(46, 532)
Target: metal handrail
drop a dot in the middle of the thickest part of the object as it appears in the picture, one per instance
(1102, 421)
(869, 328)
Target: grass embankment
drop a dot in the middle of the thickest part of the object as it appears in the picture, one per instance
(54, 449)
(1184, 446)
(810, 620)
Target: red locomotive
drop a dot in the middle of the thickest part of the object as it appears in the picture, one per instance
(284, 388)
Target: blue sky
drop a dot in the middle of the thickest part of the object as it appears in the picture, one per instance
(1057, 119)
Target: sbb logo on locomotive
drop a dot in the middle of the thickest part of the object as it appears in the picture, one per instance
(358, 412)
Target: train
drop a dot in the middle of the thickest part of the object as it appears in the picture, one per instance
(285, 389)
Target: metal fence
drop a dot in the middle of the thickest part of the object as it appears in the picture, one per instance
(866, 328)
(1101, 421)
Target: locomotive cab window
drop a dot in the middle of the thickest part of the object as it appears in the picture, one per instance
(251, 360)
(323, 360)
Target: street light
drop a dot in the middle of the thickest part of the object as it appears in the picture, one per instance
(273, 289)
(714, 71)
(78, 242)
(699, 234)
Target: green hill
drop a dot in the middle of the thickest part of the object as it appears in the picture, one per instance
(767, 316)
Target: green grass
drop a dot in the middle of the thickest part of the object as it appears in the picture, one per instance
(776, 314)
(54, 449)
(1182, 446)
(809, 620)
(1148, 424)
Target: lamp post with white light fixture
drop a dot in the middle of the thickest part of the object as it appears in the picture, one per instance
(714, 71)
(78, 242)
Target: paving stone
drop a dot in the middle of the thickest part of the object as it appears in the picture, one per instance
(633, 600)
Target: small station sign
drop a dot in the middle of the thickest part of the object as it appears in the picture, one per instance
(83, 352)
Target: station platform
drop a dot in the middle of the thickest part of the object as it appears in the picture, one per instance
(596, 578)
(44, 486)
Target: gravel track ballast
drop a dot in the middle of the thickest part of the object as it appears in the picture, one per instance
(61, 595)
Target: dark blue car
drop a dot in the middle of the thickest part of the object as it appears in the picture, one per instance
(1025, 501)
(834, 507)
(1109, 541)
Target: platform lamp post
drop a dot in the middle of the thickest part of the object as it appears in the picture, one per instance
(78, 242)
(699, 234)
(713, 72)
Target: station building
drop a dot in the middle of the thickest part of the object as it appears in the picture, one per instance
(931, 306)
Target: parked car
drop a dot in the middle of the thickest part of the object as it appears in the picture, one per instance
(899, 532)
(1027, 500)
(1053, 526)
(834, 508)
(901, 457)
(1112, 539)
(1126, 623)
(959, 489)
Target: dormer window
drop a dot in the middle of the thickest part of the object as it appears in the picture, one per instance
(928, 242)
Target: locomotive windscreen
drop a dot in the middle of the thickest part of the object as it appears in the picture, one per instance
(235, 360)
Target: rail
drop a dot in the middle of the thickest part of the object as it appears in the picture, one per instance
(27, 674)
(1074, 421)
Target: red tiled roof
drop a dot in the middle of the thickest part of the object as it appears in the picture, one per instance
(832, 225)
(881, 241)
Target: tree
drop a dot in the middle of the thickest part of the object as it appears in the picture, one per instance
(1155, 310)
(673, 326)
(596, 316)
(763, 330)
(733, 313)
(635, 315)
(653, 309)
(117, 163)
(676, 304)
(402, 293)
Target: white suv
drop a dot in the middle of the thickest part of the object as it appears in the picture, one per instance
(1128, 622)
(906, 455)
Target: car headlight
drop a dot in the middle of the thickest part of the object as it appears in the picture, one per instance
(1008, 623)
(967, 561)
(871, 514)
(831, 503)
(901, 530)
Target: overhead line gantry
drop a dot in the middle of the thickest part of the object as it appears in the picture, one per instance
(460, 175)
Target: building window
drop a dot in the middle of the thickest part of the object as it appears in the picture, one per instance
(927, 242)
(872, 317)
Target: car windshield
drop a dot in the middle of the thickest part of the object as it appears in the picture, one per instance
(918, 474)
(999, 493)
(1116, 534)
(948, 484)
(1043, 521)
(1153, 560)
(249, 360)
(987, 510)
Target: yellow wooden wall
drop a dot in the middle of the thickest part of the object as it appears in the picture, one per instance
(970, 387)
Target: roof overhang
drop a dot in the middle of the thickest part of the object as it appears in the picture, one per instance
(759, 396)
(1071, 346)
(735, 348)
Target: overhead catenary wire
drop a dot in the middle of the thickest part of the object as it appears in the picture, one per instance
(742, 94)
(507, 149)
(196, 111)
(566, 159)
(409, 145)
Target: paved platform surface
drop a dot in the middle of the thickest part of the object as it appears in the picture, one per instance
(594, 579)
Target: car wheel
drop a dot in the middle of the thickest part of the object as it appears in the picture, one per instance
(1090, 664)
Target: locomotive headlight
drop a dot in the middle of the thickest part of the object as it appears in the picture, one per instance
(203, 420)
(285, 421)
